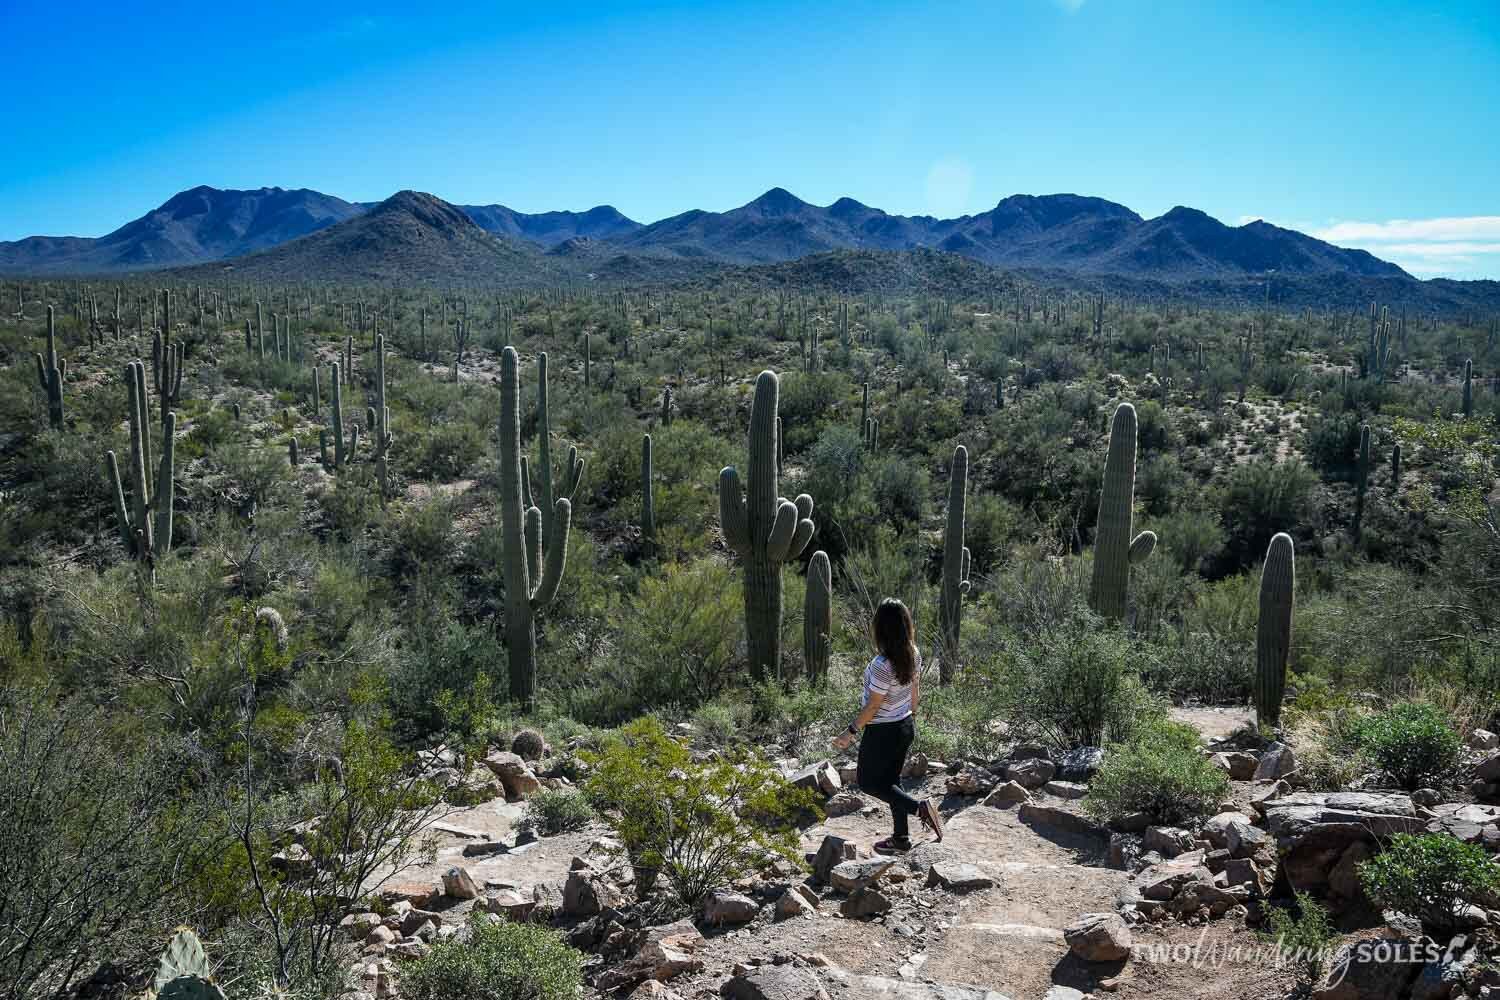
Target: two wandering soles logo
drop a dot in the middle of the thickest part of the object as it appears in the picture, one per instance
(1329, 964)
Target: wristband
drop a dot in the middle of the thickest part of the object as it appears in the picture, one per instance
(852, 731)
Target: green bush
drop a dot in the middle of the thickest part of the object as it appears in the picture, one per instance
(1412, 742)
(500, 960)
(553, 811)
(704, 824)
(1430, 877)
(1306, 937)
(1075, 686)
(1160, 772)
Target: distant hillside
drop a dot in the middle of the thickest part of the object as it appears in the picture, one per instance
(551, 228)
(198, 225)
(410, 238)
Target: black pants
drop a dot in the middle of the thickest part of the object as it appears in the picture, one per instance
(882, 756)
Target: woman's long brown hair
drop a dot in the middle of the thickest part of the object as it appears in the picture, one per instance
(894, 637)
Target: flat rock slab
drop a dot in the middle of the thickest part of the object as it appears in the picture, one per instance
(896, 989)
(775, 982)
(958, 877)
(1307, 817)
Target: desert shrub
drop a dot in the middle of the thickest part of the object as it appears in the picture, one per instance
(1306, 936)
(498, 960)
(553, 811)
(1075, 686)
(678, 637)
(723, 721)
(901, 490)
(447, 680)
(1412, 742)
(1160, 772)
(704, 824)
(1197, 665)
(444, 451)
(1329, 757)
(1261, 498)
(1430, 876)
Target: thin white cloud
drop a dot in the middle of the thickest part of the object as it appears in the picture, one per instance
(1455, 246)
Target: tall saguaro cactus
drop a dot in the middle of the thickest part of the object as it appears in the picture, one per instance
(1273, 633)
(817, 616)
(531, 580)
(1114, 547)
(1361, 478)
(1468, 404)
(955, 562)
(140, 535)
(765, 529)
(343, 447)
(381, 424)
(648, 499)
(50, 373)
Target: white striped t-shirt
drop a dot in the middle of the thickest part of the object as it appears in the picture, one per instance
(880, 678)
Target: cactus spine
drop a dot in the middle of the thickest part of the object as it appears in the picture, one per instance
(50, 373)
(764, 529)
(648, 501)
(1114, 548)
(817, 617)
(522, 534)
(955, 562)
(1273, 633)
(183, 972)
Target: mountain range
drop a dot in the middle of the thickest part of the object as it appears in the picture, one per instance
(276, 234)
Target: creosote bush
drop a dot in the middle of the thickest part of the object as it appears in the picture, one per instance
(1431, 877)
(703, 824)
(496, 960)
(1411, 742)
(1160, 772)
(553, 811)
(1305, 934)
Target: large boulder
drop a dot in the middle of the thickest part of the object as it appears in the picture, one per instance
(1276, 762)
(972, 779)
(1312, 830)
(1240, 765)
(850, 876)
(1079, 764)
(959, 876)
(1098, 937)
(1216, 830)
(866, 901)
(1168, 841)
(587, 893)
(1369, 972)
(1030, 774)
(724, 907)
(514, 773)
(1007, 794)
(1464, 821)
(774, 982)
(1045, 815)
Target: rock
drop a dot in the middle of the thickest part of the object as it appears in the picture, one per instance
(1312, 830)
(357, 926)
(844, 803)
(1163, 881)
(1066, 789)
(1059, 992)
(922, 857)
(459, 884)
(1032, 812)
(1079, 764)
(849, 876)
(1244, 872)
(1168, 841)
(1135, 822)
(413, 920)
(774, 982)
(1238, 764)
(294, 862)
(1442, 979)
(1426, 797)
(848, 773)
(855, 987)
(1487, 767)
(412, 893)
(798, 901)
(724, 907)
(1267, 792)
(1482, 739)
(586, 893)
(509, 904)
(972, 780)
(1343, 878)
(823, 778)
(1030, 774)
(1007, 794)
(1098, 937)
(513, 772)
(831, 852)
(916, 766)
(867, 901)
(958, 877)
(380, 934)
(1245, 840)
(1360, 974)
(1216, 830)
(1124, 848)
(1466, 822)
(652, 990)
(1276, 762)
(660, 958)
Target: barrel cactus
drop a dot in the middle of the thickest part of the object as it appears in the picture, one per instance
(764, 529)
(528, 744)
(955, 561)
(1273, 633)
(817, 616)
(1115, 550)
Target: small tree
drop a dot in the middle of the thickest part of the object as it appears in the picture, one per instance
(703, 824)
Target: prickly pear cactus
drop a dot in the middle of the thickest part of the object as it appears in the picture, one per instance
(184, 956)
(190, 988)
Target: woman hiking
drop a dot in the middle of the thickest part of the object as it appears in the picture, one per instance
(891, 690)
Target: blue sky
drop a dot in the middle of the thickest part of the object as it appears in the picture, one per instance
(1371, 123)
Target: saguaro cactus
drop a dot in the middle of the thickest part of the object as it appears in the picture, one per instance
(955, 562)
(343, 448)
(817, 616)
(1361, 478)
(1396, 465)
(530, 580)
(381, 424)
(764, 529)
(136, 529)
(1114, 547)
(1273, 633)
(648, 500)
(1468, 404)
(50, 373)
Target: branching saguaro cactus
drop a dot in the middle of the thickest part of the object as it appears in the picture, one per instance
(143, 538)
(50, 372)
(955, 563)
(1114, 547)
(343, 446)
(1273, 633)
(765, 530)
(817, 617)
(531, 580)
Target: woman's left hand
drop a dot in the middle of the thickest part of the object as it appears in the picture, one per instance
(842, 741)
